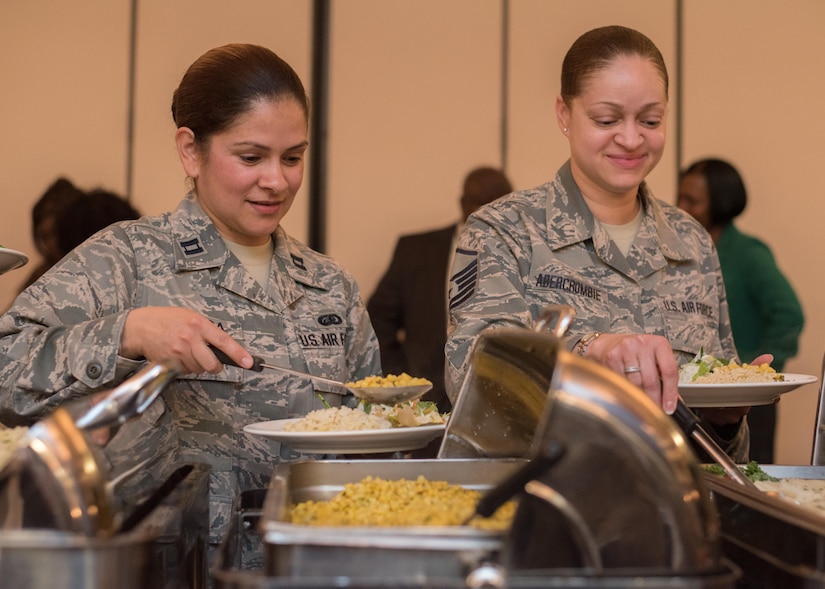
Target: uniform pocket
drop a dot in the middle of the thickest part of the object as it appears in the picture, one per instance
(323, 343)
(687, 332)
(148, 441)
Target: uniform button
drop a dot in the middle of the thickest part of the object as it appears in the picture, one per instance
(94, 370)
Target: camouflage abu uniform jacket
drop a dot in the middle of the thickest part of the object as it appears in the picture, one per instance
(60, 341)
(543, 246)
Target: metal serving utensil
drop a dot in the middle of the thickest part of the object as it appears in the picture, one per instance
(688, 420)
(325, 385)
(549, 453)
(390, 395)
(381, 395)
(54, 479)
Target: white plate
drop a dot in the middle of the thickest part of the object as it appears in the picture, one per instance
(741, 394)
(11, 259)
(371, 441)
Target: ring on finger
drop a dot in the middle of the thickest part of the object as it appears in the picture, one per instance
(631, 369)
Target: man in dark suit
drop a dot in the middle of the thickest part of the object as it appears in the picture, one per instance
(409, 306)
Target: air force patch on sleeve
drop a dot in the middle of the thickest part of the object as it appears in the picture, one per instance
(463, 282)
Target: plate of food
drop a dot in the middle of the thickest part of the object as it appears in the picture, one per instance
(376, 441)
(741, 394)
(366, 429)
(11, 259)
(708, 381)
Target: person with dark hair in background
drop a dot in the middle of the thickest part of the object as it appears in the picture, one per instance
(765, 313)
(93, 211)
(409, 306)
(61, 196)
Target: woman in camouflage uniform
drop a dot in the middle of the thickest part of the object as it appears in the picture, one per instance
(642, 276)
(219, 270)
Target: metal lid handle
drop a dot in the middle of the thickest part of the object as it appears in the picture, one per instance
(563, 316)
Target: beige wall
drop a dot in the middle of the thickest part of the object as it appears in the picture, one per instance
(63, 102)
(415, 103)
(411, 113)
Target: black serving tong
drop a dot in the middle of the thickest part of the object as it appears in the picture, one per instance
(549, 453)
(690, 423)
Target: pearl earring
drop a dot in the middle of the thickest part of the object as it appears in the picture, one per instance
(565, 129)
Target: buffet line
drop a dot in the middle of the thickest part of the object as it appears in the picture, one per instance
(563, 475)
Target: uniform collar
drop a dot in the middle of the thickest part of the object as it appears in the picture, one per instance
(569, 220)
(307, 270)
(199, 246)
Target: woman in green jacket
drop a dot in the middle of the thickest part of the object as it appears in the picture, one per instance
(765, 313)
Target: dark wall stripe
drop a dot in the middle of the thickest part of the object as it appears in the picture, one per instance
(679, 76)
(130, 101)
(318, 129)
(505, 81)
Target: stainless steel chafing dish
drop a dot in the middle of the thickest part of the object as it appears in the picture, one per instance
(301, 557)
(775, 542)
(60, 526)
(624, 506)
(628, 492)
(55, 479)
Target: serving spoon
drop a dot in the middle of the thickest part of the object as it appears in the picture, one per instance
(380, 395)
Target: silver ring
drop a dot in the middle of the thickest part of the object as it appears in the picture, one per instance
(631, 369)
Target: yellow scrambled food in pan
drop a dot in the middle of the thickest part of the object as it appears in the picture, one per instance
(377, 502)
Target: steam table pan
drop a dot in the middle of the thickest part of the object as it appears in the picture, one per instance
(239, 565)
(396, 552)
(776, 543)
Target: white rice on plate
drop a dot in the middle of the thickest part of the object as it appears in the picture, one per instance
(369, 416)
(337, 419)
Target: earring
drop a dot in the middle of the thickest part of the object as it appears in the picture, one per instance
(565, 129)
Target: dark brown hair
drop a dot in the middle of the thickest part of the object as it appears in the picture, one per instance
(726, 189)
(223, 83)
(94, 210)
(596, 49)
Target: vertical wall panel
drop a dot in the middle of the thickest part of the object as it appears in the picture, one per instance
(62, 107)
(415, 95)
